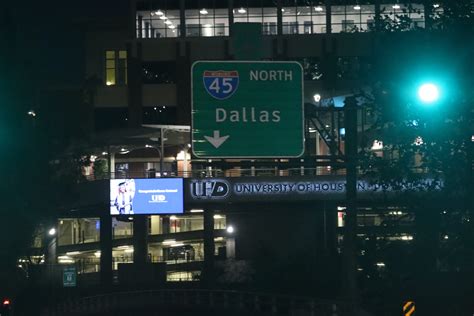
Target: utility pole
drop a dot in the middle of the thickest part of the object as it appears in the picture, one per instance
(350, 232)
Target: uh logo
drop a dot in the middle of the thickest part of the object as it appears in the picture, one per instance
(209, 189)
(221, 84)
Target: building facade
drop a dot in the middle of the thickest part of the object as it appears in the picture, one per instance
(286, 211)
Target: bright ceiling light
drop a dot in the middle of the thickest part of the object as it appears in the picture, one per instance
(203, 11)
(169, 241)
(317, 97)
(171, 27)
(159, 13)
(168, 22)
(197, 211)
(318, 9)
(241, 10)
(52, 231)
(357, 7)
(177, 245)
(396, 6)
(163, 17)
(230, 229)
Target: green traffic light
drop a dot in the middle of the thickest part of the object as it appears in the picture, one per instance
(428, 93)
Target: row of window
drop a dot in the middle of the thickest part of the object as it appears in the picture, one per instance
(307, 18)
(72, 231)
(164, 72)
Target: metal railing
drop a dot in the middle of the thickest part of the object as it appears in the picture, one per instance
(221, 173)
(246, 302)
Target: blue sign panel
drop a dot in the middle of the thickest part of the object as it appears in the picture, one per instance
(146, 196)
(221, 84)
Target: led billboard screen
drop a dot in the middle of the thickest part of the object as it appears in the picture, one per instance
(146, 196)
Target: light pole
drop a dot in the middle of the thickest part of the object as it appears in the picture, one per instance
(350, 231)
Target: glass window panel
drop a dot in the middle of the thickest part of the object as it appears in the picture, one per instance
(269, 12)
(241, 14)
(123, 54)
(255, 12)
(110, 54)
(337, 17)
(110, 63)
(192, 27)
(255, 19)
(305, 26)
(207, 30)
(121, 229)
(288, 11)
(173, 14)
(269, 28)
(191, 14)
(110, 77)
(290, 27)
(306, 21)
(221, 29)
(207, 20)
(303, 11)
(221, 13)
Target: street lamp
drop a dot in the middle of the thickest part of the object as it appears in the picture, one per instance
(52, 231)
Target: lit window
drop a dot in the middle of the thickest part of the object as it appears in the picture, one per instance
(115, 67)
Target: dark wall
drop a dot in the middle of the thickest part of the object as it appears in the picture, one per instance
(290, 247)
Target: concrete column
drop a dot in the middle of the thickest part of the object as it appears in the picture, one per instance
(231, 16)
(166, 224)
(279, 18)
(378, 17)
(140, 234)
(209, 247)
(106, 249)
(428, 8)
(182, 19)
(183, 83)
(51, 243)
(135, 97)
(111, 163)
(328, 17)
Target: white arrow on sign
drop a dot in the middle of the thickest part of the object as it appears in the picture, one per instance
(216, 140)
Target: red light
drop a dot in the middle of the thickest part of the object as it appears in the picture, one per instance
(6, 302)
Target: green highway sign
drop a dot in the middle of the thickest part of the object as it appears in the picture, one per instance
(247, 109)
(69, 277)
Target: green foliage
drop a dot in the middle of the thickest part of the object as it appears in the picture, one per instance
(101, 170)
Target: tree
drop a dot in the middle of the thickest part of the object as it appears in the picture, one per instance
(426, 142)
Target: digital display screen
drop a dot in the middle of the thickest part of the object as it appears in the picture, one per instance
(146, 196)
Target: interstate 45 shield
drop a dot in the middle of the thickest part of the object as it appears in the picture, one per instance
(221, 84)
